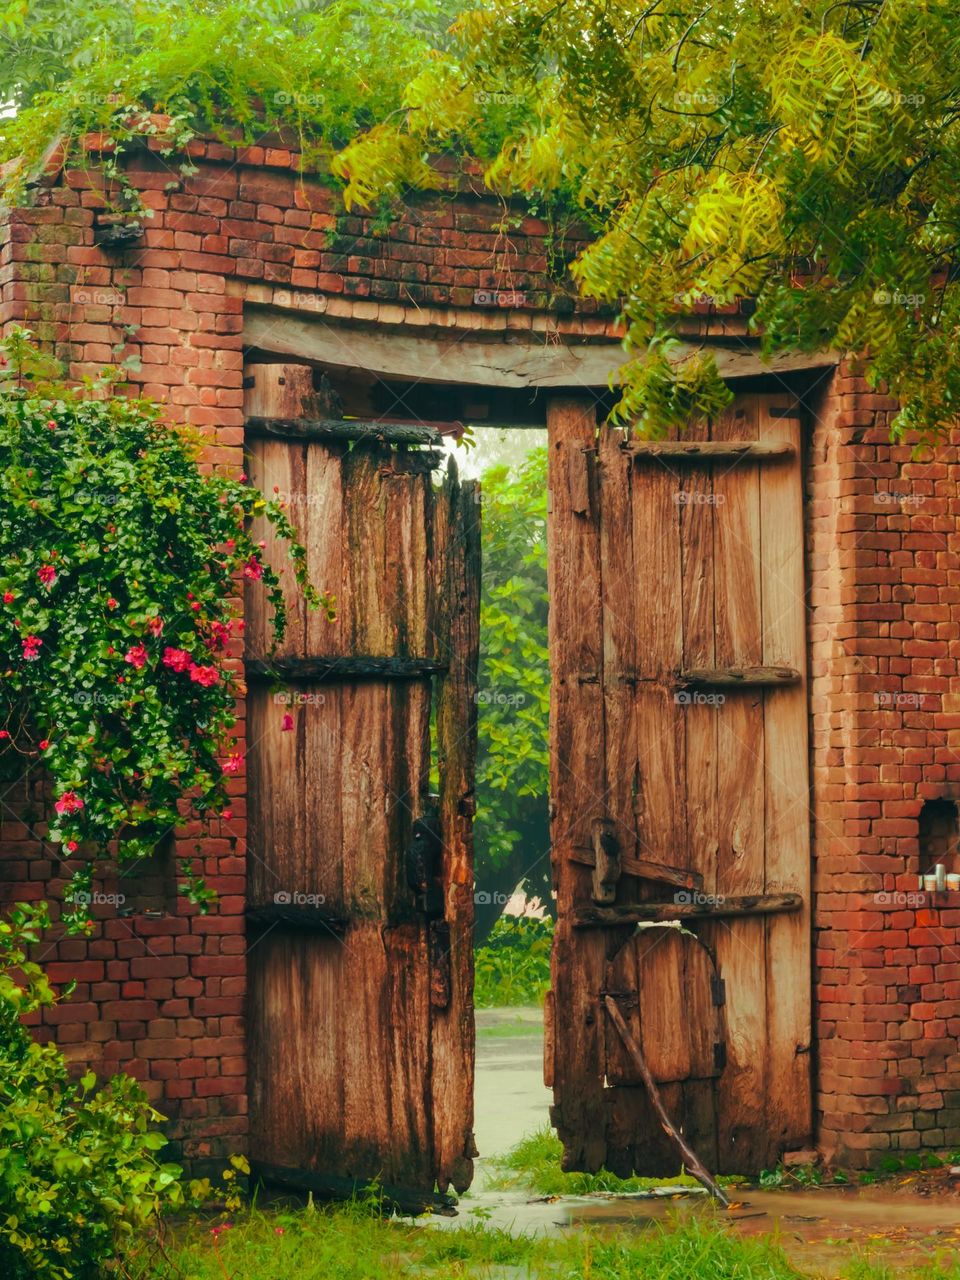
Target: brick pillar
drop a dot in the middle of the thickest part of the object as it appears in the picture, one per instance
(884, 577)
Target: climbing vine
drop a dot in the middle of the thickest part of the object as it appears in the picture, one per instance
(173, 69)
(119, 566)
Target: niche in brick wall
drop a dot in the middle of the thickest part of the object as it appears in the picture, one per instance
(939, 833)
(148, 884)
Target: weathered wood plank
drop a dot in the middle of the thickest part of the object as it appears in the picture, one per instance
(698, 512)
(618, 602)
(294, 1032)
(787, 806)
(383, 1004)
(622, 983)
(740, 947)
(274, 467)
(456, 621)
(661, 736)
(577, 779)
(749, 904)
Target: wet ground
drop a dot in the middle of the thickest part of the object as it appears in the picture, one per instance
(903, 1221)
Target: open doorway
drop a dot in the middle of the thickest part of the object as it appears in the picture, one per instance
(513, 901)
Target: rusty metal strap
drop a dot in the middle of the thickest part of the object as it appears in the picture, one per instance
(257, 428)
(686, 906)
(355, 667)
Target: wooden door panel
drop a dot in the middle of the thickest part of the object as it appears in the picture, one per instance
(364, 500)
(691, 555)
(360, 884)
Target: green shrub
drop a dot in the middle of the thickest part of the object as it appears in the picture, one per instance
(513, 967)
(78, 1164)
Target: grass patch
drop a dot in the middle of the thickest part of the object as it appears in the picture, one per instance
(870, 1268)
(350, 1243)
(519, 1028)
(534, 1164)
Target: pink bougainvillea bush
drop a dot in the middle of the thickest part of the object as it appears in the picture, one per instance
(119, 568)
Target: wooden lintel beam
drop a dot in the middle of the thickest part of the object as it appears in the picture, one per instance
(336, 669)
(717, 908)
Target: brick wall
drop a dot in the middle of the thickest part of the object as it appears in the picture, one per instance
(884, 576)
(161, 990)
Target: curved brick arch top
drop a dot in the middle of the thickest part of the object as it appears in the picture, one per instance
(244, 246)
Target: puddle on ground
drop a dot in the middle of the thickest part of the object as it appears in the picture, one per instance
(905, 1222)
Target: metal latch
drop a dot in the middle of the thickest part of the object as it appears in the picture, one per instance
(424, 862)
(606, 864)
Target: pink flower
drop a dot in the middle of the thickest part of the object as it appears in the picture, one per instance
(227, 815)
(233, 763)
(4, 733)
(136, 656)
(51, 425)
(176, 659)
(278, 1231)
(111, 603)
(47, 575)
(219, 635)
(253, 569)
(72, 846)
(8, 597)
(287, 723)
(155, 626)
(43, 744)
(69, 802)
(31, 648)
(204, 675)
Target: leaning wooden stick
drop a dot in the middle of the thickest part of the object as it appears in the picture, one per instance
(690, 1158)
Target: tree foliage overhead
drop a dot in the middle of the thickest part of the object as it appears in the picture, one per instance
(805, 156)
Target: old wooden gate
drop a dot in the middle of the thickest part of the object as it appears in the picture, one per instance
(360, 1021)
(679, 776)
